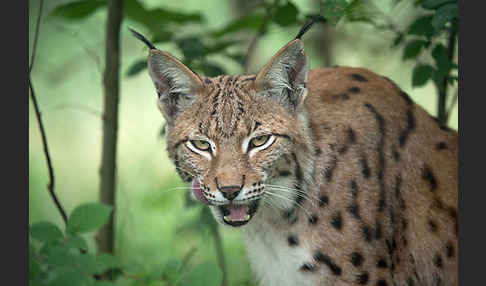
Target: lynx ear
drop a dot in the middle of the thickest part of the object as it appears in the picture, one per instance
(284, 77)
(176, 84)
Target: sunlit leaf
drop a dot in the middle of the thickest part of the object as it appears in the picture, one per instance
(45, 231)
(421, 74)
(68, 276)
(286, 14)
(333, 10)
(442, 62)
(422, 27)
(77, 10)
(362, 11)
(76, 242)
(413, 49)
(88, 217)
(444, 15)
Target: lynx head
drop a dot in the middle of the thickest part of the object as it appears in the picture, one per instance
(235, 138)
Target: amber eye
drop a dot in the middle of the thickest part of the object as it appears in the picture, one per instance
(201, 144)
(259, 141)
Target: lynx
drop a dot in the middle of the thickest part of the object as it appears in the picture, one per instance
(334, 176)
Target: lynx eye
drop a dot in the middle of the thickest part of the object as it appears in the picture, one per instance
(201, 144)
(259, 141)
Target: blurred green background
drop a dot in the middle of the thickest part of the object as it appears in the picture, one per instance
(152, 221)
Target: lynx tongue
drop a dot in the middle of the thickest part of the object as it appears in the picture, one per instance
(237, 213)
(197, 192)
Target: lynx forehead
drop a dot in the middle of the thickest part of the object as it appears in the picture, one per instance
(335, 176)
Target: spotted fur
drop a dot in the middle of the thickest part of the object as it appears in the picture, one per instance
(357, 187)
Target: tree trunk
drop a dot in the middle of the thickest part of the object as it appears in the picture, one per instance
(111, 82)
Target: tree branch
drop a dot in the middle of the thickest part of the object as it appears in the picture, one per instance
(50, 186)
(111, 83)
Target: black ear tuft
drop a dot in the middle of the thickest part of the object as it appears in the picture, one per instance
(142, 38)
(308, 25)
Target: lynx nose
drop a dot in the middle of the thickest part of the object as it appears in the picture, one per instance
(230, 192)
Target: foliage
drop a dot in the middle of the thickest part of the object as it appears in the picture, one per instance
(63, 258)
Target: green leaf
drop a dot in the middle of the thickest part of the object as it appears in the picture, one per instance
(422, 27)
(88, 217)
(157, 19)
(45, 231)
(68, 276)
(60, 256)
(442, 62)
(136, 68)
(333, 10)
(362, 11)
(105, 261)
(413, 49)
(239, 58)
(212, 70)
(205, 274)
(252, 21)
(34, 267)
(286, 14)
(398, 39)
(421, 74)
(76, 242)
(88, 264)
(444, 15)
(77, 10)
(162, 36)
(434, 4)
(192, 48)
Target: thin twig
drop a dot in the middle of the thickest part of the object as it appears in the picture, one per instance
(50, 186)
(452, 105)
(36, 35)
(260, 32)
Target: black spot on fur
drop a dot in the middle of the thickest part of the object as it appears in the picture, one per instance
(381, 263)
(341, 96)
(378, 232)
(308, 267)
(356, 259)
(432, 226)
(318, 151)
(313, 219)
(354, 89)
(329, 171)
(351, 136)
(354, 210)
(367, 233)
(358, 77)
(365, 169)
(450, 249)
(354, 188)
(407, 98)
(293, 240)
(396, 155)
(337, 221)
(323, 201)
(362, 278)
(441, 146)
(207, 81)
(404, 223)
(322, 258)
(285, 173)
(381, 283)
(402, 139)
(438, 261)
(429, 176)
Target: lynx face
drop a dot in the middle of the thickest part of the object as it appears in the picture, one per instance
(235, 137)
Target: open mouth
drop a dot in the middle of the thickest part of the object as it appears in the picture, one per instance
(238, 214)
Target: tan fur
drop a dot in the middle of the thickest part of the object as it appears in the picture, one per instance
(376, 175)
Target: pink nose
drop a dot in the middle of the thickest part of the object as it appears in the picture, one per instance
(230, 192)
